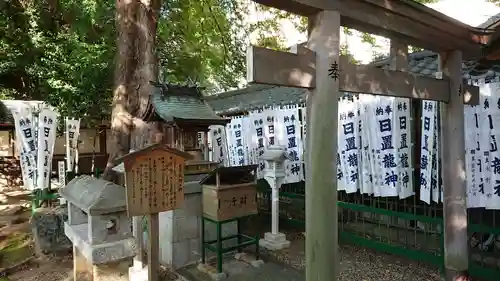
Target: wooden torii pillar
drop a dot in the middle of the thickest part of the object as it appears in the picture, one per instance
(319, 68)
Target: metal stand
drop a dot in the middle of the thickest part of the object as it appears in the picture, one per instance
(243, 240)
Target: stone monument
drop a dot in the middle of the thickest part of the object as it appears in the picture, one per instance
(98, 226)
(274, 174)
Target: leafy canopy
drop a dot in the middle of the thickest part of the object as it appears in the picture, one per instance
(63, 51)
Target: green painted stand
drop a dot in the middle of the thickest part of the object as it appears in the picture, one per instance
(40, 196)
(243, 240)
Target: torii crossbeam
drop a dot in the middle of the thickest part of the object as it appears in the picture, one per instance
(320, 69)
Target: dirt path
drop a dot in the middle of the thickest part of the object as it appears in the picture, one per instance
(17, 257)
(15, 233)
(48, 269)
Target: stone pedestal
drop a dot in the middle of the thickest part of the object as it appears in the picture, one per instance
(84, 271)
(138, 273)
(48, 230)
(116, 271)
(274, 241)
(180, 230)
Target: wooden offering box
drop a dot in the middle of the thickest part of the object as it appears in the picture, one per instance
(230, 192)
(196, 167)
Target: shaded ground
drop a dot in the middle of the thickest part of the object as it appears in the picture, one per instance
(48, 269)
(356, 263)
(15, 233)
(17, 253)
(241, 271)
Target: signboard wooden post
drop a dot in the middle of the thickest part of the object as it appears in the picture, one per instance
(154, 179)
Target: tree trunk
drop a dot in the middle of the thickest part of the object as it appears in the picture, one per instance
(136, 65)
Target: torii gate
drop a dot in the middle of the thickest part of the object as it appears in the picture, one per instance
(320, 69)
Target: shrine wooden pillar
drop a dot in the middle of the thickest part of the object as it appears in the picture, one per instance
(456, 258)
(398, 59)
(322, 256)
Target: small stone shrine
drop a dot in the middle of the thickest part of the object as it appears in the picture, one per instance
(229, 195)
(184, 115)
(274, 174)
(98, 226)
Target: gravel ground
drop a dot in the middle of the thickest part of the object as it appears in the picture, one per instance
(360, 264)
(357, 263)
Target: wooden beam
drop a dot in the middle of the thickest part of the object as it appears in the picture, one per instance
(322, 253)
(294, 69)
(376, 81)
(413, 24)
(432, 18)
(456, 248)
(265, 66)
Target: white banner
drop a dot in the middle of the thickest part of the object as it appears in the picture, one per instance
(374, 148)
(236, 141)
(72, 135)
(287, 130)
(218, 139)
(26, 145)
(256, 140)
(369, 170)
(435, 174)
(472, 151)
(386, 150)
(429, 109)
(492, 122)
(47, 125)
(349, 143)
(404, 147)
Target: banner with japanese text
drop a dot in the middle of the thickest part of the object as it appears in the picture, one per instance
(47, 124)
(72, 133)
(218, 142)
(26, 145)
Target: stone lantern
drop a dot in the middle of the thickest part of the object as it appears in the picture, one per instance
(274, 174)
(98, 226)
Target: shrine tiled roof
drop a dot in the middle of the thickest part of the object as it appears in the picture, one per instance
(174, 103)
(255, 97)
(423, 63)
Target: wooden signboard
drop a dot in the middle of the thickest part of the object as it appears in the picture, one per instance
(154, 180)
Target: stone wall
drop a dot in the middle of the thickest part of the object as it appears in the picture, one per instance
(48, 230)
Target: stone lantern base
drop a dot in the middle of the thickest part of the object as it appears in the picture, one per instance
(274, 242)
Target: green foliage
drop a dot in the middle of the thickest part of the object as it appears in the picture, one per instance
(63, 51)
(60, 52)
(202, 40)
